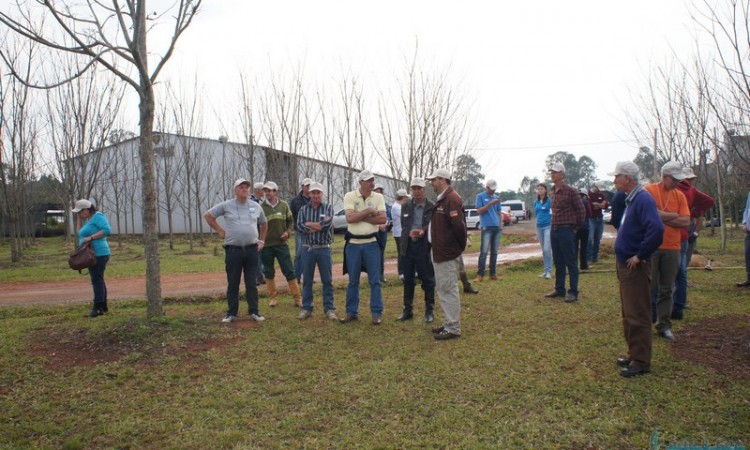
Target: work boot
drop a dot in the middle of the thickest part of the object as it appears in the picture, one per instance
(294, 289)
(468, 289)
(271, 286)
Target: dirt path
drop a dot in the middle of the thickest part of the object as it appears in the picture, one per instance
(211, 283)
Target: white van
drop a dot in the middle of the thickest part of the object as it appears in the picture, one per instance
(517, 208)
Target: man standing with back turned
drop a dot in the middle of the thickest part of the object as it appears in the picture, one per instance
(638, 237)
(447, 237)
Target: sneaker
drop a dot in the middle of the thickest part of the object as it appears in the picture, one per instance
(543, 275)
(667, 335)
(331, 315)
(478, 279)
(304, 314)
(548, 275)
(229, 319)
(257, 317)
(445, 335)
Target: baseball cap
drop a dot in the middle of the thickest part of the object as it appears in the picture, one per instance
(81, 204)
(673, 169)
(306, 181)
(271, 185)
(241, 181)
(401, 193)
(418, 182)
(378, 186)
(688, 173)
(439, 173)
(625, 168)
(365, 175)
(257, 186)
(557, 167)
(315, 186)
(492, 184)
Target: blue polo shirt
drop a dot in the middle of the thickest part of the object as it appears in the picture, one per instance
(491, 217)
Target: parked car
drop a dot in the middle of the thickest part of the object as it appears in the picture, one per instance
(517, 208)
(339, 222)
(472, 218)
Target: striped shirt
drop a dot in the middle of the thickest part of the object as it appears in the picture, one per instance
(323, 214)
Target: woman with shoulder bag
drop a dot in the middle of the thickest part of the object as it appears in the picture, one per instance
(93, 227)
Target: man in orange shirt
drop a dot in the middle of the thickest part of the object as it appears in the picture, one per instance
(675, 214)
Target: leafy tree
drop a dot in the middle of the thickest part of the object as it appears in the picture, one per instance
(467, 178)
(579, 172)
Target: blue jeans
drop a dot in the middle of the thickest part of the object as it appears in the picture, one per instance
(564, 256)
(367, 255)
(490, 242)
(309, 258)
(298, 240)
(96, 274)
(239, 261)
(679, 295)
(596, 230)
(543, 235)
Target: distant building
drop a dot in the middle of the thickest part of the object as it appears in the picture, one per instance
(193, 174)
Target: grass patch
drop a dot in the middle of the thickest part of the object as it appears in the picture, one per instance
(527, 373)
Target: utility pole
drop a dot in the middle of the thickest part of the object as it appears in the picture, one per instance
(720, 191)
(223, 139)
(656, 160)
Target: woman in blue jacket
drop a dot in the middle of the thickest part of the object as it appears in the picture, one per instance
(542, 208)
(93, 227)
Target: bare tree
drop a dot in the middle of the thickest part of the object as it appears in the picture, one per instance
(17, 160)
(114, 36)
(427, 128)
(82, 114)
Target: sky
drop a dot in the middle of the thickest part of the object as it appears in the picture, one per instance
(539, 77)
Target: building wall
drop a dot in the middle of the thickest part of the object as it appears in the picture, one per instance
(193, 174)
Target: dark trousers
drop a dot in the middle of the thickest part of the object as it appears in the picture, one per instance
(417, 259)
(664, 267)
(564, 257)
(747, 255)
(635, 295)
(582, 247)
(239, 262)
(96, 274)
(399, 258)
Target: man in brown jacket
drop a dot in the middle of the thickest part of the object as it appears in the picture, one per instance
(447, 237)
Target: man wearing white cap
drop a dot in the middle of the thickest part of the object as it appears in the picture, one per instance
(365, 210)
(447, 237)
(315, 225)
(415, 251)
(302, 199)
(675, 214)
(698, 203)
(257, 196)
(383, 231)
(568, 214)
(401, 198)
(243, 239)
(598, 203)
(640, 234)
(490, 211)
(280, 226)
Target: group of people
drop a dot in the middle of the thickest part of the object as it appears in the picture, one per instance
(658, 225)
(430, 240)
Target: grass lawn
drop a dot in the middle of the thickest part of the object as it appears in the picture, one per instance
(527, 372)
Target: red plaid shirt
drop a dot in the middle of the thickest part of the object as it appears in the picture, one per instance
(567, 208)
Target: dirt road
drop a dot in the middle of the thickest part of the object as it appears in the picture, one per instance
(212, 283)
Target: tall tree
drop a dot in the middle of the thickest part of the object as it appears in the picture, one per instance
(467, 177)
(113, 36)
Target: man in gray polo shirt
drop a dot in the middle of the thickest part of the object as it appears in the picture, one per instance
(244, 232)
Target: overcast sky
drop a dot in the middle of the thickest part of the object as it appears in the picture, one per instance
(541, 76)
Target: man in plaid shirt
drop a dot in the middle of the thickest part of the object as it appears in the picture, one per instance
(568, 215)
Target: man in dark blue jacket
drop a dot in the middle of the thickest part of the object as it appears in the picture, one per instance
(639, 236)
